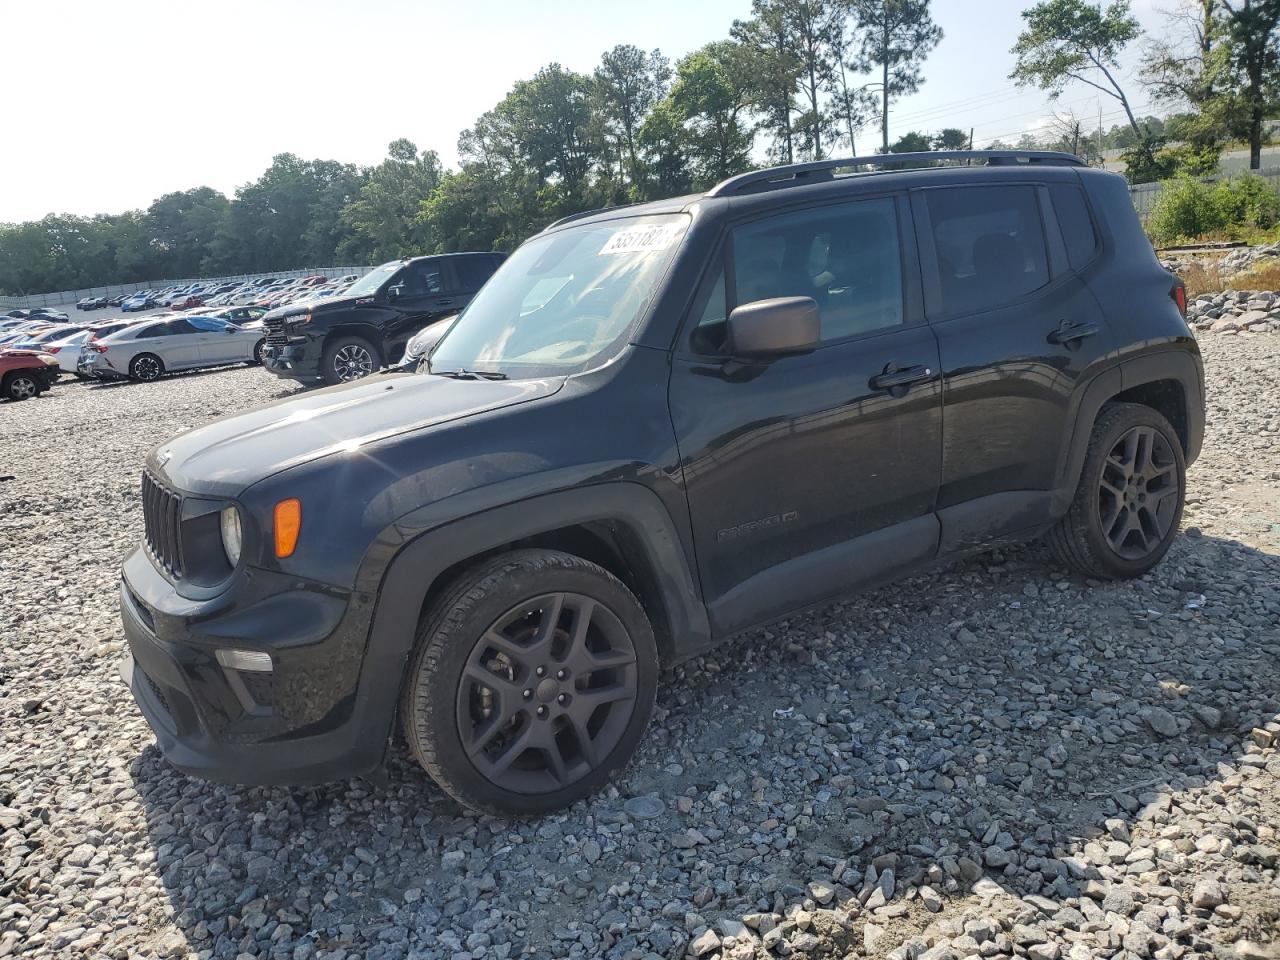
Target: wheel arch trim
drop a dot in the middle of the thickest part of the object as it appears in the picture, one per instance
(1175, 365)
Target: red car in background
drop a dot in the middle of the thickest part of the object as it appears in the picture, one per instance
(25, 374)
(187, 302)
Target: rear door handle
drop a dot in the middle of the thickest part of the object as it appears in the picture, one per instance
(1069, 333)
(444, 302)
(898, 380)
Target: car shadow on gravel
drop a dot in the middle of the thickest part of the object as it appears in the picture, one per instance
(998, 721)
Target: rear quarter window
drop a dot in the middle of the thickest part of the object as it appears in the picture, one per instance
(1078, 232)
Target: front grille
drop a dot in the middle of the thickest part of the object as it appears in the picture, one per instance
(275, 330)
(162, 514)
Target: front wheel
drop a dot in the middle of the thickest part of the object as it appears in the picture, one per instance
(534, 679)
(1128, 503)
(347, 359)
(257, 352)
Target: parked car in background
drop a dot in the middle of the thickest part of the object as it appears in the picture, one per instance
(347, 337)
(36, 340)
(25, 374)
(149, 349)
(187, 301)
(138, 302)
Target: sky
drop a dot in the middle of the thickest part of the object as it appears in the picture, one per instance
(108, 106)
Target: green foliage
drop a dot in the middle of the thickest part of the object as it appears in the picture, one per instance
(912, 142)
(383, 217)
(1064, 39)
(1188, 209)
(895, 38)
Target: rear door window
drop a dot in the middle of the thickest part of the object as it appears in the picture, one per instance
(473, 272)
(989, 243)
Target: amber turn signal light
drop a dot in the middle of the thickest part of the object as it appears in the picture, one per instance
(288, 523)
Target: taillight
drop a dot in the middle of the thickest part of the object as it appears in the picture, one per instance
(52, 349)
(1179, 294)
(100, 347)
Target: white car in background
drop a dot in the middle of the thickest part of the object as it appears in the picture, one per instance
(149, 349)
(67, 349)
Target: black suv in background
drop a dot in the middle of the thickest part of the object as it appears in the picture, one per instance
(654, 428)
(349, 337)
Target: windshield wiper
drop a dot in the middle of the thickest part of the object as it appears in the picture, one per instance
(461, 374)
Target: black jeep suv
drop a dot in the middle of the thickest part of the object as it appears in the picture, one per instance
(349, 337)
(656, 427)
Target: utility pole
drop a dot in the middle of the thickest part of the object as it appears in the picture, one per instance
(971, 138)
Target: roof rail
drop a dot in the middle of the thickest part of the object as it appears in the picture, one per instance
(797, 174)
(586, 213)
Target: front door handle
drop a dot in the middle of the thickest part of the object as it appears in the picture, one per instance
(898, 380)
(445, 302)
(1070, 334)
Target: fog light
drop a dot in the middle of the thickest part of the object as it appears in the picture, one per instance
(251, 660)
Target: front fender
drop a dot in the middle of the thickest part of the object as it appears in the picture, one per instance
(418, 566)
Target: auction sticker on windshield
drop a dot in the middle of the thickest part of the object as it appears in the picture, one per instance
(636, 239)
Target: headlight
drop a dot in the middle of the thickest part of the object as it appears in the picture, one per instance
(231, 534)
(299, 320)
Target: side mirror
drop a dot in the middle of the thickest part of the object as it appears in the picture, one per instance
(779, 327)
(393, 293)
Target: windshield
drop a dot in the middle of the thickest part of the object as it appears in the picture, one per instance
(371, 281)
(563, 302)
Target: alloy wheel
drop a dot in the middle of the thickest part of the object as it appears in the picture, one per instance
(547, 693)
(146, 368)
(352, 362)
(1138, 492)
(22, 388)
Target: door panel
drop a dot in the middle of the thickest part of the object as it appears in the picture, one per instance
(801, 456)
(811, 474)
(1011, 369)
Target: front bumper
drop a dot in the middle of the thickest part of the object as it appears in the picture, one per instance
(304, 722)
(294, 361)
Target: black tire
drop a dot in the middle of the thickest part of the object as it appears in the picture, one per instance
(1127, 508)
(257, 352)
(347, 359)
(21, 385)
(443, 704)
(146, 368)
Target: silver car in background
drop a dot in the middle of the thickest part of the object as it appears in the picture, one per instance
(149, 349)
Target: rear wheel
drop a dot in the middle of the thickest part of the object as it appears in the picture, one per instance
(21, 386)
(146, 367)
(533, 681)
(349, 358)
(1129, 500)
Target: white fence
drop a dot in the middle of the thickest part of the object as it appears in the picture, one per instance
(1144, 194)
(71, 296)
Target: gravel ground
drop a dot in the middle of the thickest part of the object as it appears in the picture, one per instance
(999, 760)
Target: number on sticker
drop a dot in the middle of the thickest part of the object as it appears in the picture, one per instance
(634, 239)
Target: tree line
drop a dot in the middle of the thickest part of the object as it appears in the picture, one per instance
(795, 80)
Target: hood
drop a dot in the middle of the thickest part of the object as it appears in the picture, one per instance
(234, 452)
